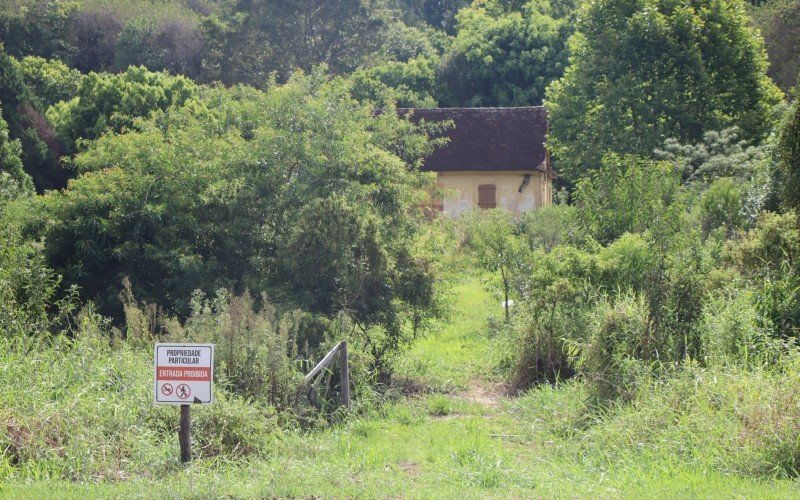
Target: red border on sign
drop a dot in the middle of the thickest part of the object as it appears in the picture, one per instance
(181, 373)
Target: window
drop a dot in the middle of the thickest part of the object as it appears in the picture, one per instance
(486, 196)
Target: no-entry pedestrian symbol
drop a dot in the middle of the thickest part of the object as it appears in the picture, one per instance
(184, 373)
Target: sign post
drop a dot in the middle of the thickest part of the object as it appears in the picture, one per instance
(184, 374)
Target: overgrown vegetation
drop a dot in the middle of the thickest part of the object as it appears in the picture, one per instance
(234, 172)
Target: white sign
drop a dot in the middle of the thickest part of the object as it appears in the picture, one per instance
(184, 373)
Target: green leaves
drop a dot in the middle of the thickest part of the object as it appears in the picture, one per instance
(788, 152)
(630, 194)
(107, 102)
(298, 191)
(505, 57)
(644, 71)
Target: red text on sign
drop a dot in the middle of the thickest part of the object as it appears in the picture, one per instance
(177, 373)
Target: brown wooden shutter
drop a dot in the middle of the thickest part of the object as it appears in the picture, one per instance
(486, 196)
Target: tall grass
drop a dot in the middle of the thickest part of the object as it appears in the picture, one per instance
(81, 409)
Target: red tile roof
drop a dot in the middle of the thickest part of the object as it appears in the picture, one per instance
(488, 138)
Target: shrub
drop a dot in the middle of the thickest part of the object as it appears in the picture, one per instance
(722, 205)
(730, 330)
(788, 155)
(620, 345)
(628, 263)
(629, 194)
(555, 225)
(768, 256)
(774, 240)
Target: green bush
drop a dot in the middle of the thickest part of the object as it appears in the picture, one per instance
(557, 294)
(620, 345)
(627, 263)
(630, 194)
(722, 205)
(788, 155)
(731, 332)
(554, 225)
(768, 257)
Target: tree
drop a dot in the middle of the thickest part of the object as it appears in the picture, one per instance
(13, 178)
(299, 192)
(250, 40)
(441, 14)
(39, 28)
(40, 147)
(788, 153)
(779, 21)
(49, 81)
(642, 71)
(410, 84)
(497, 247)
(505, 57)
(94, 34)
(109, 102)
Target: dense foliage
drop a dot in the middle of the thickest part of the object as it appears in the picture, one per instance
(779, 22)
(789, 156)
(642, 72)
(235, 172)
(504, 55)
(298, 191)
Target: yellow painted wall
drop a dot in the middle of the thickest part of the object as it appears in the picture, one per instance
(463, 190)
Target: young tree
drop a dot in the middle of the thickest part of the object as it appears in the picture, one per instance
(494, 240)
(643, 71)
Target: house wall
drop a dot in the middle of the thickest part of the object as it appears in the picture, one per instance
(462, 188)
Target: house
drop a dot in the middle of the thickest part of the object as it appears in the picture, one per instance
(495, 157)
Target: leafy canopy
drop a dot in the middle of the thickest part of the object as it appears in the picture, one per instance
(788, 151)
(109, 102)
(298, 191)
(643, 71)
(504, 56)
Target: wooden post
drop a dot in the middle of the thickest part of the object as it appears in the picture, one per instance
(185, 433)
(344, 370)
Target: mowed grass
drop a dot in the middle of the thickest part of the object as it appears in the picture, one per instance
(445, 444)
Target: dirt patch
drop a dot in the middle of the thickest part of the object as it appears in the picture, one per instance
(412, 469)
(485, 393)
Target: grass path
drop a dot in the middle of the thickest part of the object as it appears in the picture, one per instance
(457, 439)
(458, 355)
